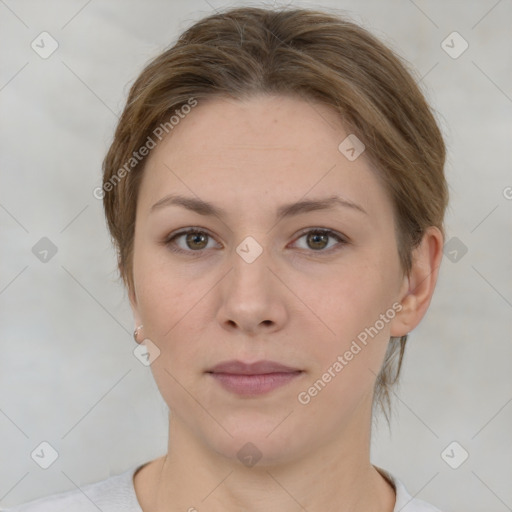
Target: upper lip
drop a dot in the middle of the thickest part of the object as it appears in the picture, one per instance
(258, 368)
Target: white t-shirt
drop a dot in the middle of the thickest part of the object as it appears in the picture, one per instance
(117, 494)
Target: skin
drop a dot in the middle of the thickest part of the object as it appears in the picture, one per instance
(299, 303)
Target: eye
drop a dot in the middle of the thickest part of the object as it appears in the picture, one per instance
(194, 240)
(318, 239)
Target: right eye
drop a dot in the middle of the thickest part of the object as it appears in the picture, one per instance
(194, 241)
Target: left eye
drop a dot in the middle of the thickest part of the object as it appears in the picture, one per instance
(196, 240)
(317, 239)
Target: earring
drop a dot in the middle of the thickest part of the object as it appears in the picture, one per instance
(135, 332)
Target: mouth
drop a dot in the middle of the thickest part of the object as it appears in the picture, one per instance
(250, 379)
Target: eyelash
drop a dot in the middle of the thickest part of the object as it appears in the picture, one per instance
(169, 241)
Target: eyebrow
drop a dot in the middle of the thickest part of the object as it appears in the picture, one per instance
(287, 210)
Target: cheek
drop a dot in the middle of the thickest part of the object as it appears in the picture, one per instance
(166, 296)
(353, 310)
(167, 312)
(170, 310)
(352, 298)
(346, 363)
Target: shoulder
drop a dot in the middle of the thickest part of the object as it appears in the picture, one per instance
(404, 501)
(114, 494)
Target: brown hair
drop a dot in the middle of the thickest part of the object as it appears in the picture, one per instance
(307, 53)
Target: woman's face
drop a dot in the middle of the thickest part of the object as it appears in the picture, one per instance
(252, 285)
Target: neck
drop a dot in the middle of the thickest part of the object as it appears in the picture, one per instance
(335, 477)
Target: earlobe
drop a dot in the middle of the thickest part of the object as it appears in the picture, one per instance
(419, 285)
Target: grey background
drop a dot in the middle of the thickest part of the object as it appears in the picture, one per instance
(67, 372)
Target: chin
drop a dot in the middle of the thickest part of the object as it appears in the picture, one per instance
(260, 445)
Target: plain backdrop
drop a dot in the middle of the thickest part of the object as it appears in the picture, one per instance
(68, 376)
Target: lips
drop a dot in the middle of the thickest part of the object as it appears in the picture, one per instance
(252, 379)
(257, 368)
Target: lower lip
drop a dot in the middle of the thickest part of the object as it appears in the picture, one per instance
(254, 384)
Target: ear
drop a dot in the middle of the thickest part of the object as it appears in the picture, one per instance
(418, 287)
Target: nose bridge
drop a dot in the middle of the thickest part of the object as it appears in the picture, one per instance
(250, 295)
(250, 263)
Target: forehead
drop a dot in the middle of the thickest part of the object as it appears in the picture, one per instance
(262, 122)
(265, 146)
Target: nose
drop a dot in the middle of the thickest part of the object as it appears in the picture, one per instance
(252, 298)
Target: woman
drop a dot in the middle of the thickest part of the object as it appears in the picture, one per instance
(275, 191)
